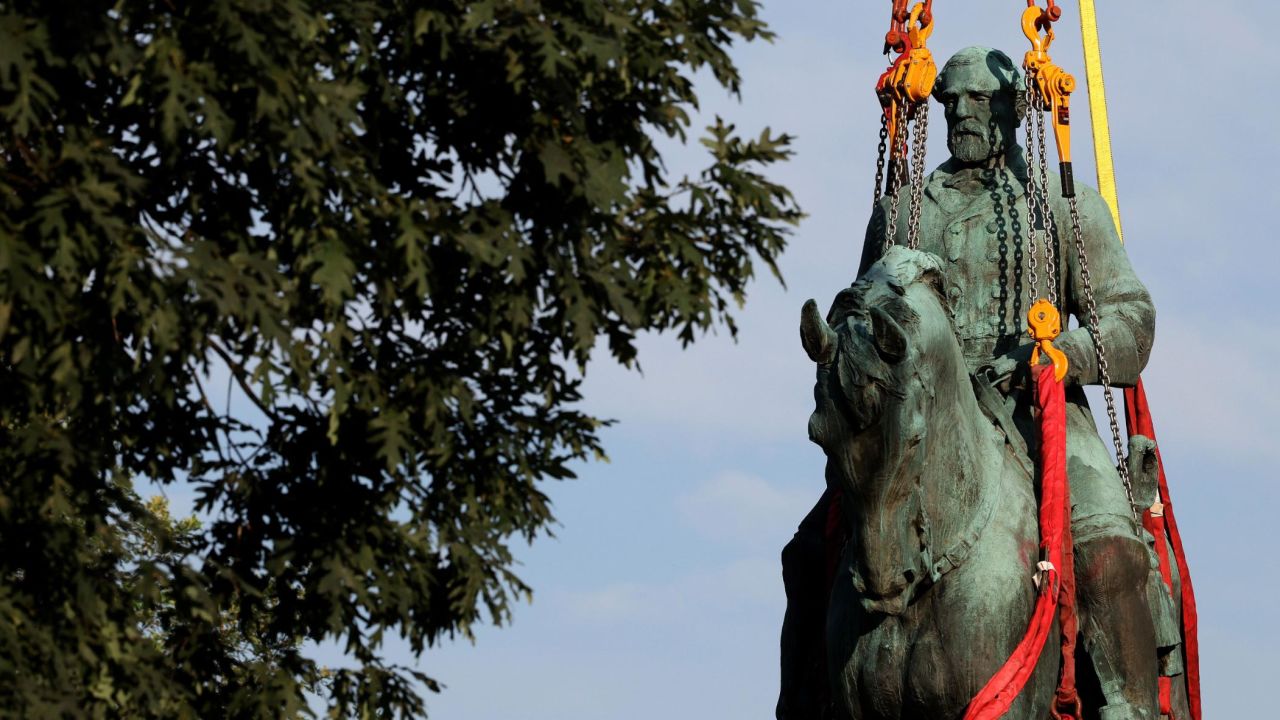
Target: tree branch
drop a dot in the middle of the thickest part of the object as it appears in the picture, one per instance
(238, 372)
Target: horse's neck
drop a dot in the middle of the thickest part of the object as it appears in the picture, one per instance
(951, 469)
(960, 476)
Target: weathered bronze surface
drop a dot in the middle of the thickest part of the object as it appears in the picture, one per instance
(924, 413)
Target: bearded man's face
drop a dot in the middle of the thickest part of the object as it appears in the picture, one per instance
(981, 113)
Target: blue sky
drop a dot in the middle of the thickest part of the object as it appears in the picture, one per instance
(661, 595)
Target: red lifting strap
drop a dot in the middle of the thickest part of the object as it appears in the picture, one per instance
(1155, 525)
(1057, 585)
(1138, 419)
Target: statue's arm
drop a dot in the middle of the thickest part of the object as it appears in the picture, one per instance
(1125, 312)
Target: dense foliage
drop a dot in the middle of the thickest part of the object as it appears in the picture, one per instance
(339, 267)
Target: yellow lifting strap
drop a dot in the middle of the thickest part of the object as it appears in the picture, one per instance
(1098, 111)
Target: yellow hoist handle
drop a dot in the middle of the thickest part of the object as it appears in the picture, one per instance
(1053, 85)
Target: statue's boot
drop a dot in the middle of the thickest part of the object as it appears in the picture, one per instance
(1111, 579)
(1144, 471)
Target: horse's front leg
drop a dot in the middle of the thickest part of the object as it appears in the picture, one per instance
(803, 692)
(866, 657)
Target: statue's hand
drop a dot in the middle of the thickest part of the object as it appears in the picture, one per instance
(1000, 369)
(1002, 372)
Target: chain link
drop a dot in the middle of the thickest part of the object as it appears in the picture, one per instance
(1050, 228)
(897, 170)
(920, 141)
(1033, 243)
(882, 148)
(909, 165)
(1039, 209)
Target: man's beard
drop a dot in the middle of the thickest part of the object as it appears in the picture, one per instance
(968, 144)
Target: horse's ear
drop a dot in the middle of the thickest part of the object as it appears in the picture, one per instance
(816, 335)
(890, 338)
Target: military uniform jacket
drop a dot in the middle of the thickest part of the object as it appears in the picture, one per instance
(977, 222)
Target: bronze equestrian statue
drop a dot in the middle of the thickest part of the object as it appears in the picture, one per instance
(924, 413)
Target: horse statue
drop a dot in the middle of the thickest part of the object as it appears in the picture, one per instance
(936, 582)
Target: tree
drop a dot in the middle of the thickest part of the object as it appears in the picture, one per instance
(398, 229)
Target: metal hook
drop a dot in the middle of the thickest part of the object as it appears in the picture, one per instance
(1035, 19)
(1044, 324)
(920, 23)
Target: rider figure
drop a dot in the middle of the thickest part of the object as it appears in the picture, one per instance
(974, 217)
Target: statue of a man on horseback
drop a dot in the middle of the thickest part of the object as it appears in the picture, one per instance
(926, 535)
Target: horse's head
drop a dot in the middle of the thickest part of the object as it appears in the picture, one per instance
(885, 353)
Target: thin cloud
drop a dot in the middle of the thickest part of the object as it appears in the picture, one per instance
(739, 508)
(746, 584)
(1211, 389)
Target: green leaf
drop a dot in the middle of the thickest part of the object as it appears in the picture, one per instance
(332, 271)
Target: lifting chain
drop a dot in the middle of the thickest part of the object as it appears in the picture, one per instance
(1035, 194)
(1104, 372)
(1046, 212)
(881, 150)
(919, 140)
(1040, 218)
(897, 171)
(1049, 89)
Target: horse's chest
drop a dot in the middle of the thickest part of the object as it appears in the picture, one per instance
(930, 661)
(907, 668)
